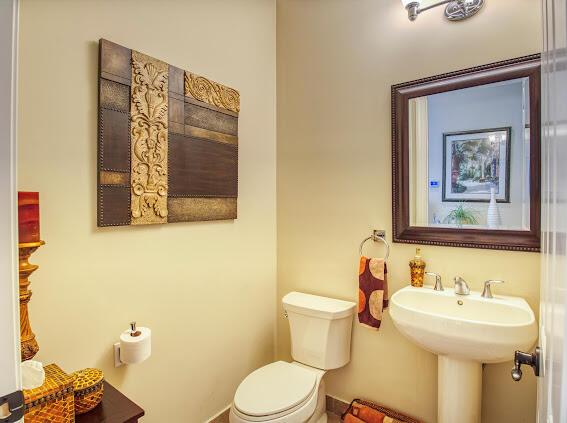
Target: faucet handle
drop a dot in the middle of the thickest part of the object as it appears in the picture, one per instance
(438, 285)
(487, 292)
(461, 286)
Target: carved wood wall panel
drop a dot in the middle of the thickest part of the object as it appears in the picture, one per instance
(211, 92)
(167, 142)
(148, 118)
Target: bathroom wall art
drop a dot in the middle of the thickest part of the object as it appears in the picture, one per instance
(167, 142)
(474, 162)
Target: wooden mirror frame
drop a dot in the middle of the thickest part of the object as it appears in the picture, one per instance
(522, 67)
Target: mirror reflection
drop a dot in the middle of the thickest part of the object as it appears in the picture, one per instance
(469, 157)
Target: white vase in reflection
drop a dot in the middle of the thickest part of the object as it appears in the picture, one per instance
(493, 214)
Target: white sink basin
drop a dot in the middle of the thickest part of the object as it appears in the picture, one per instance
(468, 327)
(464, 331)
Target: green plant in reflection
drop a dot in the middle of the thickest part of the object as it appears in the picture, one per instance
(461, 215)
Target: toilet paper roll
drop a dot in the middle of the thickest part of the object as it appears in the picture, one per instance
(135, 349)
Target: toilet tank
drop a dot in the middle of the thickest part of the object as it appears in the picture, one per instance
(320, 329)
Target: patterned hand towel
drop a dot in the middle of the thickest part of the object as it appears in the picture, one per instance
(372, 291)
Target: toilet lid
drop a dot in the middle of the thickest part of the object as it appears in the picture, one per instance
(274, 388)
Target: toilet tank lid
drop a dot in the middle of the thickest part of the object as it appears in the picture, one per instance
(314, 305)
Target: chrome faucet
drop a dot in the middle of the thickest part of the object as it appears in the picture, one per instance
(487, 292)
(461, 286)
(438, 284)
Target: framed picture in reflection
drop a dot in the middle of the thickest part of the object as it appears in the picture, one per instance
(474, 162)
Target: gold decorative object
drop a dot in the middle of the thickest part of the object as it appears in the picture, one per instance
(53, 401)
(417, 269)
(29, 345)
(89, 389)
(203, 89)
(148, 113)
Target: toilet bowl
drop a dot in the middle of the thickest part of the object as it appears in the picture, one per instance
(282, 392)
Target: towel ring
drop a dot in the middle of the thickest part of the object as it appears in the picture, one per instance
(377, 236)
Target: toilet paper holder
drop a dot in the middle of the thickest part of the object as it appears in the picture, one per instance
(117, 362)
(134, 332)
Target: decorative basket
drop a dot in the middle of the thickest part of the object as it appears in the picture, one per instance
(88, 384)
(355, 407)
(53, 401)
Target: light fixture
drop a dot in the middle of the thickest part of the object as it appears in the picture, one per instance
(456, 10)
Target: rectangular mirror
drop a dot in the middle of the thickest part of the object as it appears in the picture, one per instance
(466, 156)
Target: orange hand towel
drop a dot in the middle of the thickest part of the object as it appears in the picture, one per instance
(372, 291)
(368, 415)
(349, 418)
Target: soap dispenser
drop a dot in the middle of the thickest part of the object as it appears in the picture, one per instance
(417, 269)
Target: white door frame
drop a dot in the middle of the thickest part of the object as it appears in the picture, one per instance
(552, 386)
(10, 379)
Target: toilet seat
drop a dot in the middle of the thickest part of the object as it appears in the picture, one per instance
(278, 392)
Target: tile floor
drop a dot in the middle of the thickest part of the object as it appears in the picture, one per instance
(333, 418)
(332, 404)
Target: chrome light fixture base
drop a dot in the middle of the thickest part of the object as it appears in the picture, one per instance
(463, 9)
(456, 10)
(413, 11)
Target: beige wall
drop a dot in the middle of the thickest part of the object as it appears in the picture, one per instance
(336, 62)
(206, 290)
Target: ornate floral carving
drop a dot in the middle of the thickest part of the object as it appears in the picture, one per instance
(148, 114)
(208, 91)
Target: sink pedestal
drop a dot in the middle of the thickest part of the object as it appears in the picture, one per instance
(459, 390)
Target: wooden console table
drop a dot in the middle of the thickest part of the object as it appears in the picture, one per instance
(114, 408)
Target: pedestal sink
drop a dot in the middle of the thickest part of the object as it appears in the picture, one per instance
(464, 332)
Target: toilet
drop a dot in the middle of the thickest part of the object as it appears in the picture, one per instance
(282, 392)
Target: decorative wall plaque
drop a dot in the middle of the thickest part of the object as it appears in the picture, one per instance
(167, 142)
